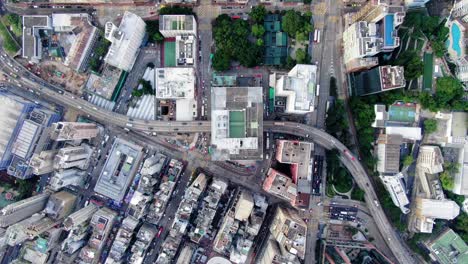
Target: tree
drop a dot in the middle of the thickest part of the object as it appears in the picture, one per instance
(301, 56)
(412, 63)
(221, 61)
(447, 180)
(430, 126)
(292, 22)
(158, 37)
(439, 48)
(258, 30)
(448, 90)
(259, 42)
(258, 13)
(301, 36)
(408, 160)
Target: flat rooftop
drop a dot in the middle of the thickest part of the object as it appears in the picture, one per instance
(402, 112)
(119, 169)
(449, 248)
(237, 123)
(31, 25)
(105, 83)
(176, 22)
(175, 83)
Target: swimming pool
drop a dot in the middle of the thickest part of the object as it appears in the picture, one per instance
(456, 35)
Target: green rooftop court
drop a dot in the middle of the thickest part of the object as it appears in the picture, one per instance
(236, 124)
(402, 112)
(169, 54)
(428, 71)
(449, 248)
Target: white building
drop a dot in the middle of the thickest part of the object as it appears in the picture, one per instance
(397, 190)
(299, 87)
(362, 40)
(415, 3)
(408, 133)
(78, 156)
(428, 210)
(237, 123)
(177, 84)
(126, 41)
(71, 177)
(172, 26)
(460, 8)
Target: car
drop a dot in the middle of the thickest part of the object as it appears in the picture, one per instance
(159, 232)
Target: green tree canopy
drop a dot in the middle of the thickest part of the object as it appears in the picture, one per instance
(259, 42)
(258, 13)
(258, 30)
(221, 61)
(430, 126)
(448, 90)
(447, 180)
(293, 22)
(408, 160)
(412, 63)
(301, 56)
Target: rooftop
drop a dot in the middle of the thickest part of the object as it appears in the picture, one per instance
(376, 80)
(31, 27)
(177, 22)
(448, 248)
(126, 41)
(280, 185)
(119, 169)
(104, 84)
(299, 88)
(388, 153)
(237, 122)
(175, 83)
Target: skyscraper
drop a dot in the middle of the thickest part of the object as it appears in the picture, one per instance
(73, 157)
(62, 131)
(18, 211)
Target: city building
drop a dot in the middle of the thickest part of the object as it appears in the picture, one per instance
(77, 29)
(415, 3)
(409, 134)
(180, 46)
(280, 185)
(177, 84)
(271, 253)
(31, 44)
(237, 123)
(377, 80)
(43, 162)
(397, 190)
(119, 169)
(145, 237)
(79, 217)
(275, 41)
(101, 223)
(298, 155)
(181, 220)
(15, 111)
(377, 10)
(73, 156)
(235, 237)
(106, 84)
(126, 41)
(430, 158)
(122, 240)
(447, 248)
(23, 209)
(60, 205)
(244, 205)
(460, 8)
(64, 178)
(289, 230)
(63, 131)
(428, 210)
(399, 114)
(362, 40)
(172, 26)
(202, 224)
(388, 153)
(299, 87)
(32, 138)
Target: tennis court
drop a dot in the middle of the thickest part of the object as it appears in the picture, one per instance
(169, 54)
(236, 124)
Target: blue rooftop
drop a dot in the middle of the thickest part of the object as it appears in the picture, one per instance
(389, 40)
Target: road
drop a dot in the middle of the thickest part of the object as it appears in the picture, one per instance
(360, 176)
(318, 136)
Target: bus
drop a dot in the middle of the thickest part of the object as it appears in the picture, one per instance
(317, 36)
